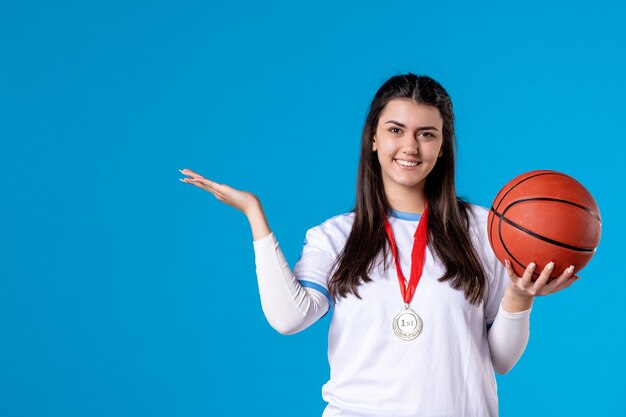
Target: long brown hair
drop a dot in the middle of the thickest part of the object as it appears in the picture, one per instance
(448, 217)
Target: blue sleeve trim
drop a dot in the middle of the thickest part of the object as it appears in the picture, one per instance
(317, 287)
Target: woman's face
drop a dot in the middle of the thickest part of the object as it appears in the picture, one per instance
(408, 143)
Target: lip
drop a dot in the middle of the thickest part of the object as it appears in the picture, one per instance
(395, 160)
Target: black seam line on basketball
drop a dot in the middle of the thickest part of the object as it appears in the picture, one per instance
(521, 265)
(519, 182)
(504, 244)
(526, 179)
(538, 236)
(571, 203)
(510, 254)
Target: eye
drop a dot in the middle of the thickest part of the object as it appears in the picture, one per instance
(427, 134)
(394, 130)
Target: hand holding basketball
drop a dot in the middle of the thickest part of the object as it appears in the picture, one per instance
(524, 286)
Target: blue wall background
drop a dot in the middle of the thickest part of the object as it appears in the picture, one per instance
(124, 292)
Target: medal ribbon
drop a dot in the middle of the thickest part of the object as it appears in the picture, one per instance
(417, 257)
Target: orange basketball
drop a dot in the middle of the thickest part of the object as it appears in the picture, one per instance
(544, 216)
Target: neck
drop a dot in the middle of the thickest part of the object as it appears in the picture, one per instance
(408, 200)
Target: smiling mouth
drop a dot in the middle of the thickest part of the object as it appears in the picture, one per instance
(406, 164)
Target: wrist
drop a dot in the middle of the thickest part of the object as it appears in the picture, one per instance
(513, 302)
(253, 207)
(258, 222)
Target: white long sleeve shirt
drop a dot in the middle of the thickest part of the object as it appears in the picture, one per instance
(448, 370)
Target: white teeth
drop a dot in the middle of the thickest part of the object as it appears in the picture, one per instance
(406, 163)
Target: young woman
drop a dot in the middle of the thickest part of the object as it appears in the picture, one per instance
(423, 311)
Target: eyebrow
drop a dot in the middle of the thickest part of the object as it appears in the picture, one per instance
(419, 128)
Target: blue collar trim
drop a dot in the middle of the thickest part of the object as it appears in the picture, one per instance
(405, 216)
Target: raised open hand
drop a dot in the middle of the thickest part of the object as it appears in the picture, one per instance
(241, 200)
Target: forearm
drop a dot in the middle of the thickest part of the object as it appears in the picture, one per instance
(514, 303)
(508, 336)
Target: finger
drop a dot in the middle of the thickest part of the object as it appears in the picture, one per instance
(570, 281)
(209, 183)
(208, 186)
(510, 271)
(188, 180)
(527, 276)
(557, 283)
(192, 181)
(189, 172)
(543, 278)
(199, 180)
(218, 190)
(198, 183)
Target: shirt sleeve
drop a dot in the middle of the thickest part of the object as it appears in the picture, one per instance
(315, 264)
(288, 305)
(508, 338)
(498, 281)
(507, 333)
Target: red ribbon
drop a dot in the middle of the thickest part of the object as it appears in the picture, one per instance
(417, 257)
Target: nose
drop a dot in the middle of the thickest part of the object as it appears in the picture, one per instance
(410, 146)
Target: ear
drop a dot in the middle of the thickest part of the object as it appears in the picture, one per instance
(374, 146)
(440, 153)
